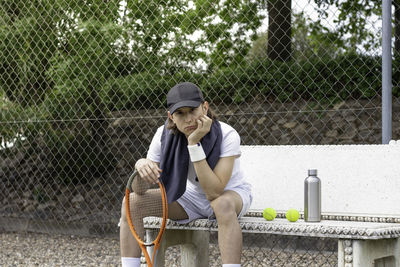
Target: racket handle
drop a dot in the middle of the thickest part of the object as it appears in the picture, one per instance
(129, 184)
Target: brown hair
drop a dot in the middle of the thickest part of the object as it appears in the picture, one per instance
(171, 125)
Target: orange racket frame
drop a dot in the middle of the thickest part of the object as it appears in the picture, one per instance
(157, 241)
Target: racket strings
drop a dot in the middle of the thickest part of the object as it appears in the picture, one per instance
(147, 203)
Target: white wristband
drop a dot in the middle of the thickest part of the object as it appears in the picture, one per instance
(196, 152)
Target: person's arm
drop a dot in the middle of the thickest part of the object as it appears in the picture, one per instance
(149, 167)
(213, 182)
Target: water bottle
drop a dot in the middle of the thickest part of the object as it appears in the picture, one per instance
(312, 197)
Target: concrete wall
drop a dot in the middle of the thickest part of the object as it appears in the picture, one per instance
(357, 179)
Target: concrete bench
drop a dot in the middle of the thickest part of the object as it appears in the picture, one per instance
(360, 188)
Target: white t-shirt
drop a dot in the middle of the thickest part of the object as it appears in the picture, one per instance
(230, 146)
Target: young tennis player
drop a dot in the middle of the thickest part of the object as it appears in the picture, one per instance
(198, 159)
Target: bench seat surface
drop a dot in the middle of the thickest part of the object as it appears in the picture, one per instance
(325, 228)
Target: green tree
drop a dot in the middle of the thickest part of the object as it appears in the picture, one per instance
(176, 35)
(59, 59)
(28, 39)
(352, 25)
(55, 56)
(308, 39)
(88, 57)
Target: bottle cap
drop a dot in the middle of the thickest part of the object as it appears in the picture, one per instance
(312, 172)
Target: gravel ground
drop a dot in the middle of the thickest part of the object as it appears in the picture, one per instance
(33, 249)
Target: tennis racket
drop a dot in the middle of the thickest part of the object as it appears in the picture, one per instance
(147, 202)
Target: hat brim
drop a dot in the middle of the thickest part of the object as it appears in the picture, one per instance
(186, 103)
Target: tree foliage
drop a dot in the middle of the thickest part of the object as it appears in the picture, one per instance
(28, 35)
(69, 64)
(352, 25)
(174, 35)
(62, 62)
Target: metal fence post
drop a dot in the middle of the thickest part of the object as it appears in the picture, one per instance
(386, 71)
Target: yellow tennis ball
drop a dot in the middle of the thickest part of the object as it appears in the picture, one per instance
(269, 214)
(292, 215)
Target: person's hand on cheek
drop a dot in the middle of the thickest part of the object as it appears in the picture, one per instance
(203, 128)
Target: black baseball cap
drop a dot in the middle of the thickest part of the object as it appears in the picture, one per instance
(184, 94)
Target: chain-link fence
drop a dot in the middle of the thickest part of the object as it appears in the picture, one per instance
(83, 84)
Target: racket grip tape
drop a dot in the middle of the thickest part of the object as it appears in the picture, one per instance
(128, 185)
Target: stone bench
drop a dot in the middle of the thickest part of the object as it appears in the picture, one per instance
(360, 189)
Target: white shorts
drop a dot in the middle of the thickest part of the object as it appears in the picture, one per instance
(197, 206)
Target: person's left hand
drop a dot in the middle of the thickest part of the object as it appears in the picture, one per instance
(203, 128)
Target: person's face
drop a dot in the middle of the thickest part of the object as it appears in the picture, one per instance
(185, 118)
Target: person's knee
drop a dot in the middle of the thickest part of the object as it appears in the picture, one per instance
(223, 208)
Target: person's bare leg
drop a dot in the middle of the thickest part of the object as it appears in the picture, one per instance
(128, 245)
(226, 208)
